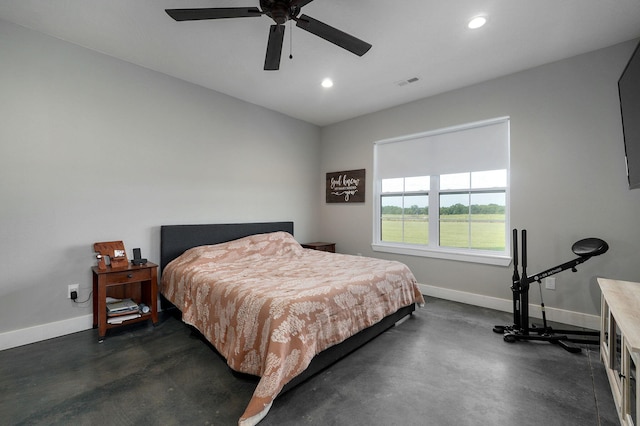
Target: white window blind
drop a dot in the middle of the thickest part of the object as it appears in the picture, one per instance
(471, 147)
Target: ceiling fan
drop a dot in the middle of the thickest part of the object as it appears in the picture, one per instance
(280, 11)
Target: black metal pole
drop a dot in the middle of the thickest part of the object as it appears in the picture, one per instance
(524, 288)
(552, 271)
(515, 282)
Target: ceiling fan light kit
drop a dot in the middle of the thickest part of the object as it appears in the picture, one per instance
(280, 11)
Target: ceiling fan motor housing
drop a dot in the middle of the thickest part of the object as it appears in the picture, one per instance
(279, 10)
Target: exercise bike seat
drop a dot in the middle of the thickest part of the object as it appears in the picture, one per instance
(589, 247)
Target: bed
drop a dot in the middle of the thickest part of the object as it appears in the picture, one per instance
(273, 309)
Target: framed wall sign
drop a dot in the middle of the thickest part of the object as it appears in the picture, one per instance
(346, 187)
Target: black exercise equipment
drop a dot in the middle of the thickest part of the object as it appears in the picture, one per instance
(520, 330)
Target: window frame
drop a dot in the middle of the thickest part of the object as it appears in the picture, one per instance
(433, 248)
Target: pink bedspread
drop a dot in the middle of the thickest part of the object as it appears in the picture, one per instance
(269, 306)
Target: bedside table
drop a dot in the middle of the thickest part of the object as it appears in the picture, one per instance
(137, 282)
(330, 247)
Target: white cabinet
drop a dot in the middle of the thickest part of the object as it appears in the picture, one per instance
(620, 344)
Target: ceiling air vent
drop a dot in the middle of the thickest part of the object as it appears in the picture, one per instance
(407, 81)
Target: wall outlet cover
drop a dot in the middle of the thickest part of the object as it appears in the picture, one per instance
(72, 287)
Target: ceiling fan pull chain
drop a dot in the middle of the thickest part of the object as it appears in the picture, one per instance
(290, 40)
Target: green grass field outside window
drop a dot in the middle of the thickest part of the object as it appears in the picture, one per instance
(487, 230)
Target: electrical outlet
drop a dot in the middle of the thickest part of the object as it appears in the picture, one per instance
(72, 287)
(550, 283)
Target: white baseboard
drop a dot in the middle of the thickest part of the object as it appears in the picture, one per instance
(25, 336)
(577, 319)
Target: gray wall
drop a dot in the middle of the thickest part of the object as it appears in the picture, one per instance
(96, 149)
(567, 175)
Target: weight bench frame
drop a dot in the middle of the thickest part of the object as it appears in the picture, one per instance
(520, 330)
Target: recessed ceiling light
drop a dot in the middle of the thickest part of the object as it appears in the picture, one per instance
(327, 82)
(477, 22)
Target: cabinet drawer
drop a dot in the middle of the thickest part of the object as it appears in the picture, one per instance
(128, 276)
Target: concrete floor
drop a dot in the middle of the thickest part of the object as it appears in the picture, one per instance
(442, 366)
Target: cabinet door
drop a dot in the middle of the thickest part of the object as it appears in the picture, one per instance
(631, 389)
(605, 330)
(615, 360)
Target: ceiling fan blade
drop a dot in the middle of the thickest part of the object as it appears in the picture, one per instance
(213, 13)
(274, 48)
(300, 3)
(333, 35)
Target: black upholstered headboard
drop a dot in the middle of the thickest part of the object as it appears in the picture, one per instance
(176, 239)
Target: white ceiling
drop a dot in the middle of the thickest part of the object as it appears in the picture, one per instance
(427, 39)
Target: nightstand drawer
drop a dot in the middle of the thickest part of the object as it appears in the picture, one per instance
(128, 276)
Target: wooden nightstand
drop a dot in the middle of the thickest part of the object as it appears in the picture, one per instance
(140, 283)
(330, 247)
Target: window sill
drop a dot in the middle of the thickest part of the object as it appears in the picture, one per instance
(486, 258)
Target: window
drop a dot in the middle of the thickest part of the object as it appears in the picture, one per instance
(405, 210)
(445, 193)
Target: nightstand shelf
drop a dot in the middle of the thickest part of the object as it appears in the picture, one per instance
(137, 282)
